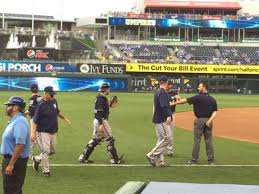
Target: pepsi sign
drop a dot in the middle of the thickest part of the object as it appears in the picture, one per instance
(16, 66)
(37, 53)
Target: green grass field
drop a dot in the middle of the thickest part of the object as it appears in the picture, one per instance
(135, 136)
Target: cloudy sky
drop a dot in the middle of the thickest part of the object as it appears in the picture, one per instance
(70, 9)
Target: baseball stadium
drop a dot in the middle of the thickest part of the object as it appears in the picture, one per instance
(133, 55)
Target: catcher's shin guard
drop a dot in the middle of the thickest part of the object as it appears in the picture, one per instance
(112, 150)
(89, 148)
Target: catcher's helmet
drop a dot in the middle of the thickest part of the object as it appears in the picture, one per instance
(103, 87)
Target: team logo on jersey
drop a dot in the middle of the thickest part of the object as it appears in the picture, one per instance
(55, 106)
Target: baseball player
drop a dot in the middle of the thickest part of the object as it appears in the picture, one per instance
(173, 97)
(45, 123)
(33, 101)
(162, 119)
(101, 129)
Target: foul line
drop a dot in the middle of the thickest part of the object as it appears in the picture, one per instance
(146, 165)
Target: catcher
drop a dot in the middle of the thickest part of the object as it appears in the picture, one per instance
(102, 130)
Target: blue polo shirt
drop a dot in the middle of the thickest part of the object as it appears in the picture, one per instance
(17, 132)
(203, 105)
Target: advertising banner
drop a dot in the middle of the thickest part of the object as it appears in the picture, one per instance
(37, 53)
(68, 84)
(15, 66)
(192, 68)
(115, 69)
(187, 23)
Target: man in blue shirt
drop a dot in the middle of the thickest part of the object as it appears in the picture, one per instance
(15, 147)
(205, 110)
(162, 119)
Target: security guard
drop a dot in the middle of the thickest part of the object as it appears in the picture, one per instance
(15, 147)
(102, 129)
(45, 122)
(205, 110)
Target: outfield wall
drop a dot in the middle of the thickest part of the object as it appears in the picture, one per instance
(15, 75)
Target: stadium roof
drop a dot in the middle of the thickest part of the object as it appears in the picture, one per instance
(181, 4)
(29, 17)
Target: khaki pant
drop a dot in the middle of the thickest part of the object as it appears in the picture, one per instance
(170, 147)
(104, 135)
(164, 138)
(47, 144)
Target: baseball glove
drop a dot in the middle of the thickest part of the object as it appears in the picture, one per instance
(114, 101)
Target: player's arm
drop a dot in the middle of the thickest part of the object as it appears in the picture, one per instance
(62, 116)
(165, 104)
(100, 105)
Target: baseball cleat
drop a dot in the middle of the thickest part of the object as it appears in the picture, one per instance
(35, 164)
(211, 162)
(192, 162)
(120, 161)
(86, 161)
(151, 160)
(46, 174)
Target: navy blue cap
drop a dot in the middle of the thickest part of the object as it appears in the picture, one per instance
(16, 100)
(34, 88)
(163, 79)
(104, 86)
(49, 89)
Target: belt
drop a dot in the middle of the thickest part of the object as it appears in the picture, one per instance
(7, 156)
(205, 117)
(10, 156)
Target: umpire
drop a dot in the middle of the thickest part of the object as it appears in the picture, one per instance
(162, 118)
(45, 122)
(205, 110)
(15, 147)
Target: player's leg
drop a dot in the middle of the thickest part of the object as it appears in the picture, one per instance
(115, 159)
(36, 160)
(160, 148)
(170, 147)
(53, 143)
(89, 148)
(45, 144)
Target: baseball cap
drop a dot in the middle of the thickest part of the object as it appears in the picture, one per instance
(163, 79)
(104, 86)
(16, 100)
(34, 88)
(49, 89)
